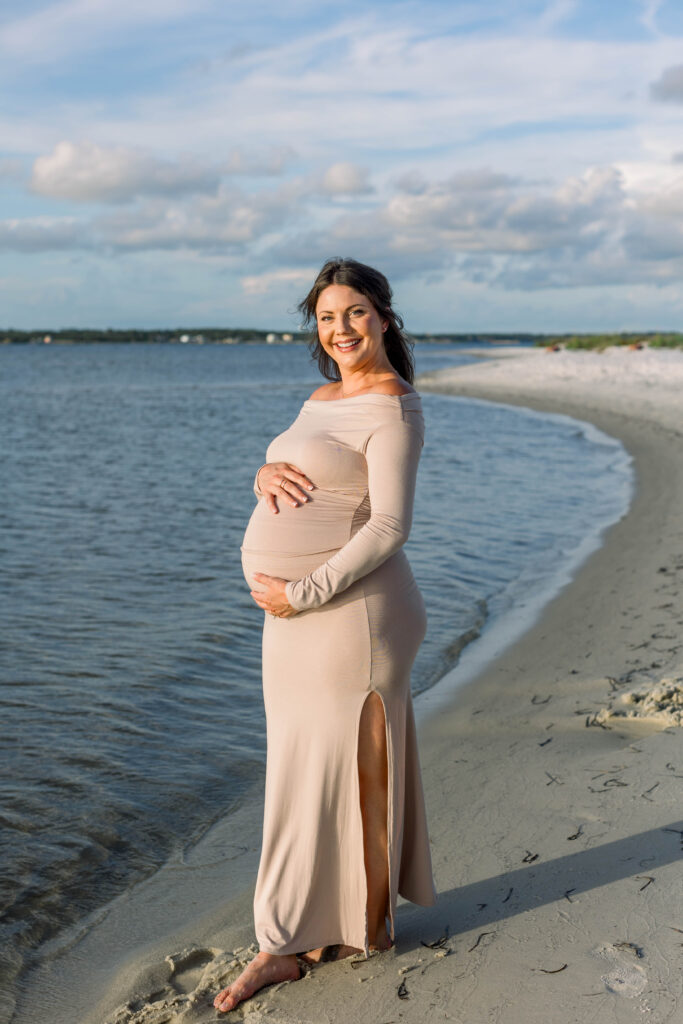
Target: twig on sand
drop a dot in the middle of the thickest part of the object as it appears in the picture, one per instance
(543, 970)
(593, 720)
(481, 936)
(568, 895)
(529, 857)
(438, 943)
(642, 878)
(576, 834)
(541, 700)
(402, 991)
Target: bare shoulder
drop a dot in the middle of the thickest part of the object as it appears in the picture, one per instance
(326, 392)
(394, 386)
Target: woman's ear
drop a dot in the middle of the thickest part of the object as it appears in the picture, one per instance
(385, 324)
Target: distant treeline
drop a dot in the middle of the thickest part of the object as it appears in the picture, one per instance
(196, 335)
(248, 335)
(225, 335)
(635, 339)
(233, 335)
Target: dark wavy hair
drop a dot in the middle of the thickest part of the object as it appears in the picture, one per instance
(375, 287)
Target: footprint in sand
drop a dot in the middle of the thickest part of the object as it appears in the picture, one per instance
(625, 977)
(189, 967)
(183, 988)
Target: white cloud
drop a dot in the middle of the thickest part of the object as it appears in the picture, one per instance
(202, 226)
(489, 228)
(669, 86)
(483, 225)
(232, 220)
(345, 179)
(477, 225)
(86, 172)
(261, 284)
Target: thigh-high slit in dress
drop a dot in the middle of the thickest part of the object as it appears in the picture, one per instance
(360, 622)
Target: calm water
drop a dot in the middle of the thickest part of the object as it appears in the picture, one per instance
(131, 713)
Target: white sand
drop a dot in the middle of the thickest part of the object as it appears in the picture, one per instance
(646, 383)
(556, 828)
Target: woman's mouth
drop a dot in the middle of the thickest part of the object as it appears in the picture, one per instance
(346, 346)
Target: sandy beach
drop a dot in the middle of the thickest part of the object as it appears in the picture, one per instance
(553, 782)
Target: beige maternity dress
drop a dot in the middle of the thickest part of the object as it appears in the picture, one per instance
(361, 621)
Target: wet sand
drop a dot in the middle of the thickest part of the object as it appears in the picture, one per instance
(555, 819)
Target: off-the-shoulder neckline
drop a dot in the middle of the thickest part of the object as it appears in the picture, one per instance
(354, 398)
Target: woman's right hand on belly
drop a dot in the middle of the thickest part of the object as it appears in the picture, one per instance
(280, 481)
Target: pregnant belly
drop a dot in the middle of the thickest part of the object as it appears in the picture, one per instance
(294, 542)
(286, 567)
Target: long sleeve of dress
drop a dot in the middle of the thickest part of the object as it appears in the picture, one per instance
(392, 454)
(257, 490)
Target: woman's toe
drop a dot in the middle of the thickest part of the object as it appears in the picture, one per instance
(228, 999)
(231, 1001)
(220, 997)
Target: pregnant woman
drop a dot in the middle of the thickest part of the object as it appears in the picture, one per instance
(344, 823)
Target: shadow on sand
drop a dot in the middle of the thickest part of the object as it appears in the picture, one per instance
(541, 882)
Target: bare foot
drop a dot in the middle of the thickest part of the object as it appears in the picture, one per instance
(382, 940)
(381, 943)
(264, 969)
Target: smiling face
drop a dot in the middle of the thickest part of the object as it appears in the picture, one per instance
(351, 330)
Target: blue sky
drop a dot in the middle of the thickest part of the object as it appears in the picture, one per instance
(508, 165)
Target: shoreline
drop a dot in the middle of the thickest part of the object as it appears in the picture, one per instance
(507, 626)
(484, 757)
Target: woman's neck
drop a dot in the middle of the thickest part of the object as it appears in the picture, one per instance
(356, 383)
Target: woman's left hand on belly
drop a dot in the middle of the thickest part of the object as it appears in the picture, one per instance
(271, 597)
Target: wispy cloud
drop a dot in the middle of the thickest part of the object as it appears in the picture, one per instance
(650, 10)
(261, 284)
(554, 14)
(57, 30)
(502, 148)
